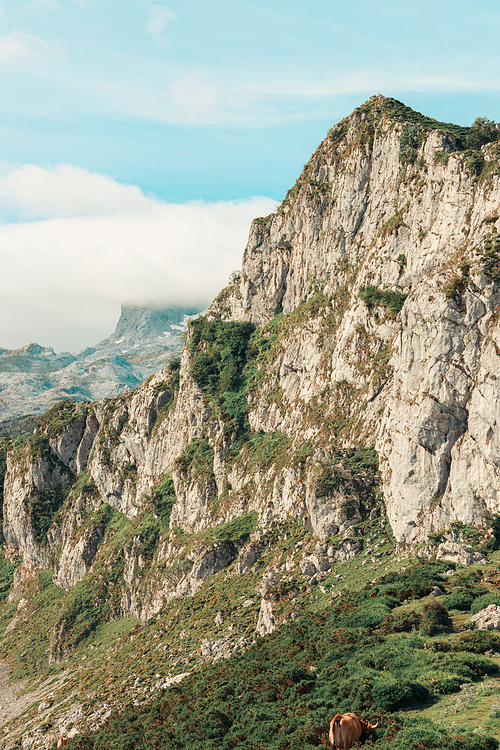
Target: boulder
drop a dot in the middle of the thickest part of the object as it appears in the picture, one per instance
(461, 554)
(487, 619)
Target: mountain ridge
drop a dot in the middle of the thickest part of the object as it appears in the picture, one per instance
(333, 415)
(33, 377)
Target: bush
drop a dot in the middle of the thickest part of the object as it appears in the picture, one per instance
(403, 621)
(392, 694)
(392, 300)
(479, 641)
(480, 132)
(43, 511)
(163, 496)
(409, 142)
(220, 350)
(435, 618)
(416, 733)
(459, 600)
(413, 583)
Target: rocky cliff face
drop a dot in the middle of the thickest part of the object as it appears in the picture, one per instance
(350, 372)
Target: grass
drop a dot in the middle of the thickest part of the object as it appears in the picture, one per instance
(105, 665)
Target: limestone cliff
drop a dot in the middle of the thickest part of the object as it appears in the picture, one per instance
(350, 370)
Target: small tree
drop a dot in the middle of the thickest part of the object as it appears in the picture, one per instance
(480, 132)
(435, 618)
(234, 277)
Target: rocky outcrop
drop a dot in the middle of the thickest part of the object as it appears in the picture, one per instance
(487, 619)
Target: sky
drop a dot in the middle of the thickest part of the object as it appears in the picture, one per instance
(138, 139)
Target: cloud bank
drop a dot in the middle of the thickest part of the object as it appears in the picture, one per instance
(94, 244)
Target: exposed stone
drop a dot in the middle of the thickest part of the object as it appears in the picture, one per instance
(265, 623)
(459, 553)
(487, 619)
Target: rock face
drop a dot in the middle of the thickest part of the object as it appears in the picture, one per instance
(351, 369)
(487, 619)
(34, 378)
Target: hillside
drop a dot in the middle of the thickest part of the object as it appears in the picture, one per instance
(333, 420)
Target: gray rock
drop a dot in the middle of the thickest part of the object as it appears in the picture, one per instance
(459, 553)
(487, 619)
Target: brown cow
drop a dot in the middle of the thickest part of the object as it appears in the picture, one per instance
(346, 730)
(62, 742)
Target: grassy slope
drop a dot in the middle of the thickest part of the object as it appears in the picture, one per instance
(345, 616)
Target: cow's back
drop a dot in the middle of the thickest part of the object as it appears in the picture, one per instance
(345, 731)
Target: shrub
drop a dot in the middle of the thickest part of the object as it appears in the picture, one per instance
(479, 641)
(458, 600)
(54, 421)
(356, 471)
(392, 694)
(238, 529)
(441, 682)
(435, 618)
(163, 497)
(391, 300)
(402, 621)
(265, 448)
(480, 132)
(413, 583)
(416, 733)
(198, 459)
(220, 354)
(409, 142)
(43, 511)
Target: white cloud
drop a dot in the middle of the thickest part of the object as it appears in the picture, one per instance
(33, 192)
(17, 46)
(64, 277)
(158, 19)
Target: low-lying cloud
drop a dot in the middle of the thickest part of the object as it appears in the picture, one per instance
(93, 244)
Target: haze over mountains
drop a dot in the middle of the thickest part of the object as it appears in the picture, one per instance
(34, 378)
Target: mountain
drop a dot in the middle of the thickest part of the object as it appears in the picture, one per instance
(328, 438)
(34, 378)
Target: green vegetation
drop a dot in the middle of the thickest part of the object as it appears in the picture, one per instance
(481, 602)
(168, 390)
(352, 472)
(4, 446)
(84, 485)
(44, 508)
(56, 419)
(237, 531)
(219, 355)
(198, 460)
(390, 299)
(221, 351)
(481, 131)
(392, 225)
(489, 252)
(163, 497)
(283, 690)
(409, 141)
(266, 448)
(456, 287)
(398, 111)
(435, 618)
(7, 569)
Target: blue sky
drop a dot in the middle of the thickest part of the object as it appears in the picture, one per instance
(216, 102)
